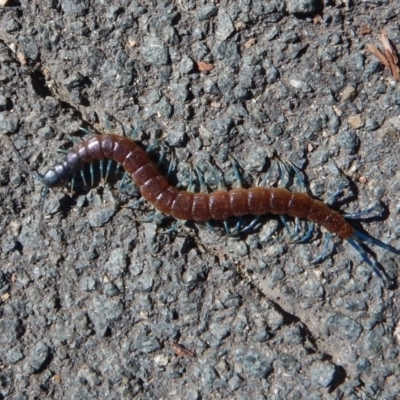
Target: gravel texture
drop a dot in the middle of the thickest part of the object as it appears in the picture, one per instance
(102, 305)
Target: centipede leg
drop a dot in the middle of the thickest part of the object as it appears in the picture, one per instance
(286, 225)
(377, 207)
(191, 185)
(135, 204)
(268, 174)
(82, 173)
(325, 249)
(108, 169)
(91, 169)
(210, 226)
(284, 175)
(250, 226)
(101, 166)
(122, 181)
(218, 178)
(298, 175)
(85, 131)
(237, 229)
(238, 178)
(308, 234)
(332, 199)
(73, 183)
(200, 177)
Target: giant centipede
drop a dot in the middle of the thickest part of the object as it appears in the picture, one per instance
(202, 207)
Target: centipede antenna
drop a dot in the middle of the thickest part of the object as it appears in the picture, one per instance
(366, 238)
(361, 214)
(365, 257)
(62, 151)
(238, 178)
(325, 249)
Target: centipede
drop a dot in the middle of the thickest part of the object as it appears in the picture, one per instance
(217, 205)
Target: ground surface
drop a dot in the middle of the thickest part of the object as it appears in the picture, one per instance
(102, 305)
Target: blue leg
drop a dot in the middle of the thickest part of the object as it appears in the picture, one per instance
(91, 168)
(122, 181)
(238, 178)
(109, 165)
(82, 172)
(73, 182)
(284, 175)
(106, 123)
(325, 249)
(237, 230)
(85, 131)
(135, 204)
(299, 176)
(200, 177)
(250, 226)
(210, 226)
(267, 176)
(171, 166)
(191, 185)
(286, 225)
(307, 236)
(335, 195)
(361, 214)
(226, 227)
(101, 169)
(219, 180)
(134, 133)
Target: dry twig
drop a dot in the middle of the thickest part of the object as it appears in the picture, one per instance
(389, 57)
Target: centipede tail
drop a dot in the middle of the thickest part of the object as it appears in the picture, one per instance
(201, 207)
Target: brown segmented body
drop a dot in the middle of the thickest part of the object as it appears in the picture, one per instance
(200, 207)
